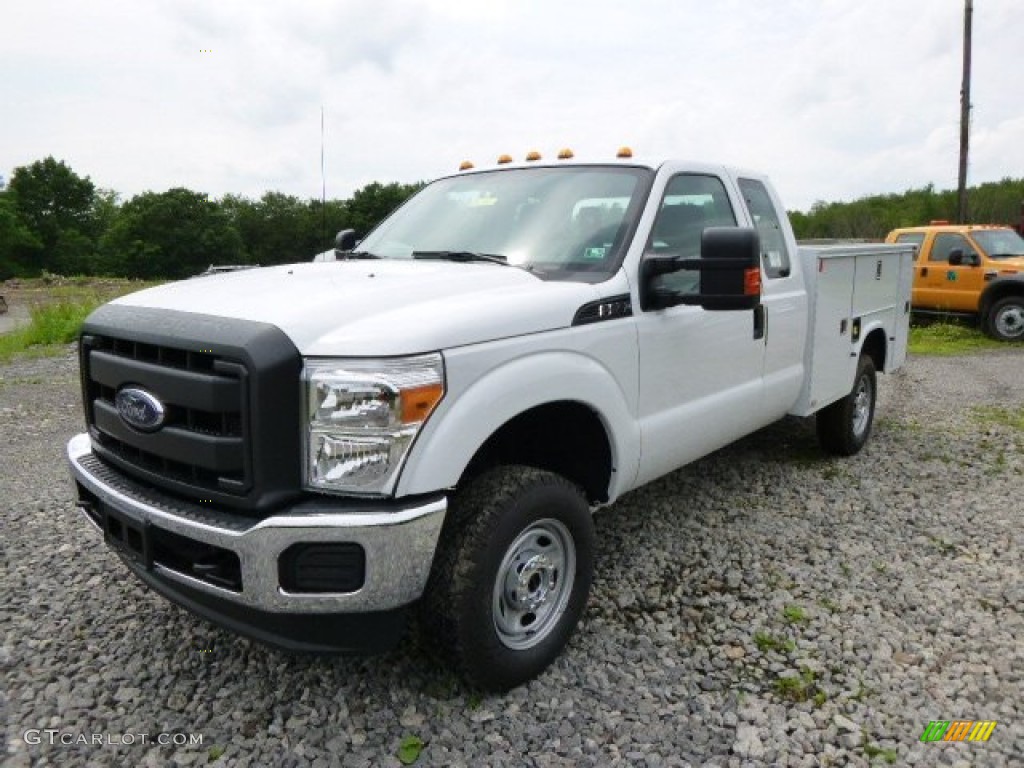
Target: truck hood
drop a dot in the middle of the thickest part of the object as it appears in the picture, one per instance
(379, 308)
(1016, 263)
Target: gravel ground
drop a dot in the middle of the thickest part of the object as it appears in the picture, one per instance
(764, 606)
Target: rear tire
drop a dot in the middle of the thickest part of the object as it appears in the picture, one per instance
(1005, 320)
(511, 576)
(844, 426)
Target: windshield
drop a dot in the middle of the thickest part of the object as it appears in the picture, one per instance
(568, 223)
(999, 243)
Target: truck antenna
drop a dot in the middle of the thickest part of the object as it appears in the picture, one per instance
(323, 185)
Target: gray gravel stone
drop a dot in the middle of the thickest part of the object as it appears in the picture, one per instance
(905, 562)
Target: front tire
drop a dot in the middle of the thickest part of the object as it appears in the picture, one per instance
(1005, 320)
(511, 576)
(845, 425)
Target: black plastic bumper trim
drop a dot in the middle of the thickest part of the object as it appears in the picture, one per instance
(322, 633)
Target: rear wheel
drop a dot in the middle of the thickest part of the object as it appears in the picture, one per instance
(845, 426)
(511, 576)
(1005, 320)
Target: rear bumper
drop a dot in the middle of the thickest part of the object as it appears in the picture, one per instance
(227, 567)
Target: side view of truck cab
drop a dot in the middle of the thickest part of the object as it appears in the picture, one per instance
(970, 270)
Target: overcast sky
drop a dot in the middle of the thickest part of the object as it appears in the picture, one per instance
(835, 99)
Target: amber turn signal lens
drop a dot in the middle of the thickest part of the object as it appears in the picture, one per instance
(752, 282)
(418, 402)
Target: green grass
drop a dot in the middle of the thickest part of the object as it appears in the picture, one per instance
(766, 642)
(409, 749)
(872, 751)
(57, 312)
(829, 604)
(947, 339)
(799, 688)
(794, 614)
(994, 415)
(51, 327)
(215, 753)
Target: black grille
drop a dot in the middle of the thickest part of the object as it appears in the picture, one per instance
(230, 388)
(202, 443)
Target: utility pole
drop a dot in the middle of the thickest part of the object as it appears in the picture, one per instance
(965, 116)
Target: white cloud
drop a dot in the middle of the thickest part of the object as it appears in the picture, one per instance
(834, 98)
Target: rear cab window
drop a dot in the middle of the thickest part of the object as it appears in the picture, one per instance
(775, 255)
(912, 238)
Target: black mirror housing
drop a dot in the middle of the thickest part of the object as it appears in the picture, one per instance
(956, 257)
(730, 267)
(730, 272)
(345, 240)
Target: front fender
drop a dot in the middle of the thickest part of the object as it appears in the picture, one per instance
(474, 409)
(997, 288)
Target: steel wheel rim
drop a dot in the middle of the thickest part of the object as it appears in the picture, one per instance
(533, 584)
(1010, 322)
(861, 406)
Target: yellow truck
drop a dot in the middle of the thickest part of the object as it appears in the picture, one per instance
(970, 270)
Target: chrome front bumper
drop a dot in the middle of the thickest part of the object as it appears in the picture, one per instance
(398, 540)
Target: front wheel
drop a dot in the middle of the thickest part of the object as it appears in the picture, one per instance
(511, 576)
(1006, 319)
(844, 426)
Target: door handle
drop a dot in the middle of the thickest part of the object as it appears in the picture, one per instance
(760, 320)
(924, 271)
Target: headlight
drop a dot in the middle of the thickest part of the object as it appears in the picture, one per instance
(362, 416)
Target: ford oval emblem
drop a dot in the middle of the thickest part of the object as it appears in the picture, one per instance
(139, 409)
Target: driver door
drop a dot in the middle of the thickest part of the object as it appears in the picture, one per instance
(954, 287)
(700, 371)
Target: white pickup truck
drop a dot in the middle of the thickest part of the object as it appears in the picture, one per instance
(304, 453)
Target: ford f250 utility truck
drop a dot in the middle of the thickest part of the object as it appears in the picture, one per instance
(969, 269)
(304, 453)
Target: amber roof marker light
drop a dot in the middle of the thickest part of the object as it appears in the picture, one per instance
(624, 152)
(504, 159)
(465, 165)
(565, 154)
(532, 156)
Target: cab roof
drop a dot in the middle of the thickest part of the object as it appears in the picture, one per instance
(946, 227)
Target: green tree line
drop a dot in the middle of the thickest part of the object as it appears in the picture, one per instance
(54, 220)
(874, 217)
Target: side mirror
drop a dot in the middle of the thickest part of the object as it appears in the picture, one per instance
(730, 272)
(345, 241)
(956, 257)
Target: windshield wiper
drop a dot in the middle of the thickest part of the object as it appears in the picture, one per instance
(346, 255)
(464, 256)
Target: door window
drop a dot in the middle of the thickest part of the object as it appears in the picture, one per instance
(945, 243)
(691, 203)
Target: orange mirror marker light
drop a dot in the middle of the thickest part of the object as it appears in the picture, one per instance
(752, 281)
(624, 152)
(565, 154)
(504, 159)
(532, 156)
(465, 165)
